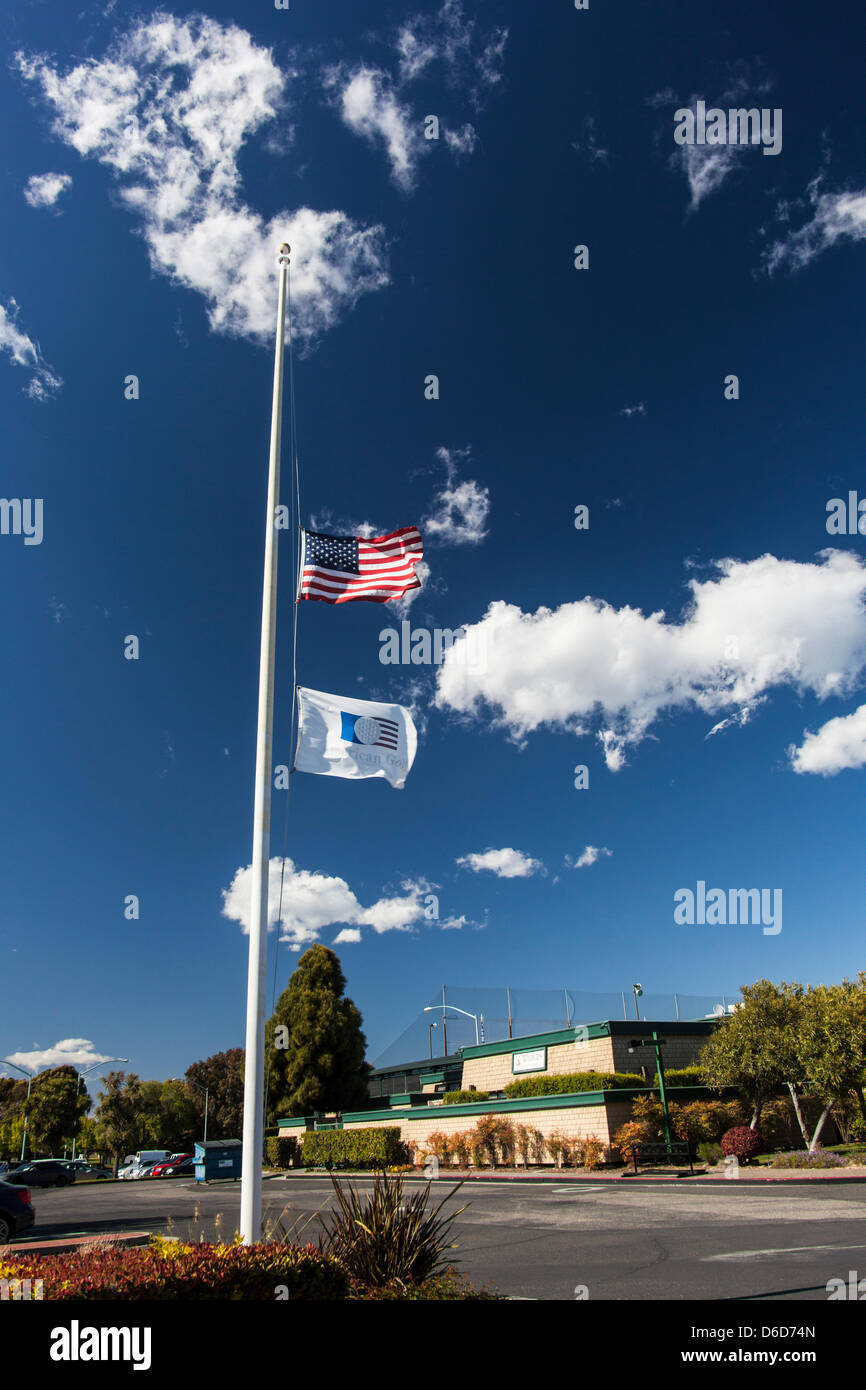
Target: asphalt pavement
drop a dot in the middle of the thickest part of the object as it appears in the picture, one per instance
(546, 1240)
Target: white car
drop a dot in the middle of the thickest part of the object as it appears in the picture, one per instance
(135, 1170)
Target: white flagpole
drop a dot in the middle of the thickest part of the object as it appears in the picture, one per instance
(254, 1061)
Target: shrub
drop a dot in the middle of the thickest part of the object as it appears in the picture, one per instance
(353, 1148)
(490, 1137)
(593, 1152)
(801, 1159)
(744, 1142)
(464, 1097)
(632, 1132)
(282, 1152)
(382, 1236)
(440, 1145)
(461, 1145)
(557, 1147)
(572, 1082)
(711, 1154)
(507, 1139)
(191, 1272)
(681, 1076)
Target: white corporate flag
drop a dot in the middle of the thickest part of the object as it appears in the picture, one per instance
(341, 737)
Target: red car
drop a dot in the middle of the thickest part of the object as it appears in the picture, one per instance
(180, 1161)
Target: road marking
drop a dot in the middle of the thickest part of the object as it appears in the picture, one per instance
(782, 1250)
(580, 1187)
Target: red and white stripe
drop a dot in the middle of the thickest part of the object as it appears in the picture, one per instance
(387, 565)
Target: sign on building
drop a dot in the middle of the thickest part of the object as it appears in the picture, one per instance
(536, 1060)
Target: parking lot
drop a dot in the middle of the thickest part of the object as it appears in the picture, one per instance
(546, 1240)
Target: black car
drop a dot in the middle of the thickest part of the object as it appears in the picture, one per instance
(16, 1213)
(42, 1172)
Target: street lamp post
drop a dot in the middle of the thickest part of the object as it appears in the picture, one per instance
(430, 1028)
(430, 1007)
(87, 1070)
(637, 990)
(657, 1043)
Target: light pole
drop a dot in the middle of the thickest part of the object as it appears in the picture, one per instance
(30, 1075)
(430, 1027)
(189, 1082)
(637, 991)
(86, 1072)
(657, 1043)
(430, 1007)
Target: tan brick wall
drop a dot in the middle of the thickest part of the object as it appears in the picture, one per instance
(677, 1052)
(577, 1122)
(494, 1073)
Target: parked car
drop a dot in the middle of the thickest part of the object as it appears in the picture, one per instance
(16, 1211)
(42, 1172)
(176, 1165)
(137, 1170)
(89, 1170)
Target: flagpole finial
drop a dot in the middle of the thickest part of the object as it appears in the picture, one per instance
(283, 257)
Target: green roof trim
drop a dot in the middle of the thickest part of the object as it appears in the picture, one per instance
(560, 1038)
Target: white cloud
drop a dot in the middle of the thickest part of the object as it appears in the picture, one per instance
(168, 110)
(373, 102)
(449, 39)
(25, 353)
(69, 1052)
(588, 667)
(836, 217)
(737, 720)
(460, 510)
(43, 190)
(313, 901)
(838, 744)
(588, 143)
(589, 857)
(629, 410)
(348, 936)
(706, 167)
(504, 863)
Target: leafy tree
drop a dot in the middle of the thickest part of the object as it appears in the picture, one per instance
(119, 1115)
(223, 1074)
(830, 1048)
(320, 1066)
(754, 1048)
(168, 1119)
(57, 1103)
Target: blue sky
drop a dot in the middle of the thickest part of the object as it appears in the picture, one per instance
(151, 163)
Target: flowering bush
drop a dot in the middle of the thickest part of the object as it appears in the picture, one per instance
(172, 1270)
(744, 1142)
(800, 1159)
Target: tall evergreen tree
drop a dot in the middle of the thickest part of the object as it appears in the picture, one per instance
(315, 1042)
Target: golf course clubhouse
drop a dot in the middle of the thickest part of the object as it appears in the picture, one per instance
(410, 1097)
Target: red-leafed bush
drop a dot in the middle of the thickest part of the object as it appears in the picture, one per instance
(194, 1272)
(742, 1141)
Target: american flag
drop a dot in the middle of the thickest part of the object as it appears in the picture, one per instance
(337, 569)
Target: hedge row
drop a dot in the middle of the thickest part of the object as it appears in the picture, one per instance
(353, 1148)
(573, 1081)
(464, 1097)
(282, 1151)
(193, 1272)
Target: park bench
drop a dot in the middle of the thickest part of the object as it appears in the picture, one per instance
(678, 1151)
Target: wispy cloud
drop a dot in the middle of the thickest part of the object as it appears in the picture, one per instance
(375, 102)
(836, 217)
(629, 410)
(24, 352)
(168, 109)
(590, 856)
(504, 863)
(459, 509)
(314, 901)
(43, 190)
